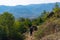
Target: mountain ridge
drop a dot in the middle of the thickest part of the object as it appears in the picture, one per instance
(27, 11)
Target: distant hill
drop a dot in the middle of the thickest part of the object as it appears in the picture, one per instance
(27, 11)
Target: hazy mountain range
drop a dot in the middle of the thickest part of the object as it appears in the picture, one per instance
(27, 11)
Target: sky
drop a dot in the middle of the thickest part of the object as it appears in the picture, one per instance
(25, 2)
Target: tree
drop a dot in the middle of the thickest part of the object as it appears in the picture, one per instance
(43, 13)
(35, 22)
(56, 10)
(6, 21)
(40, 20)
(27, 23)
(21, 19)
(21, 25)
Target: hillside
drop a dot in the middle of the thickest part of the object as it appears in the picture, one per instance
(50, 29)
(27, 11)
(55, 36)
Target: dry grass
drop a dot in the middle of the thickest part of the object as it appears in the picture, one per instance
(46, 31)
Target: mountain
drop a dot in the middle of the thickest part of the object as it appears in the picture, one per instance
(27, 11)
